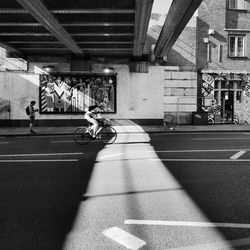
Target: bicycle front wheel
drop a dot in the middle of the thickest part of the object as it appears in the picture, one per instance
(81, 136)
(108, 135)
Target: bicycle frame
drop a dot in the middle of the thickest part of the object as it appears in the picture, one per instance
(106, 133)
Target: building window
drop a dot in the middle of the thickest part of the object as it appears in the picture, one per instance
(236, 46)
(237, 4)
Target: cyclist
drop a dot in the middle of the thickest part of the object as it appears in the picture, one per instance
(91, 115)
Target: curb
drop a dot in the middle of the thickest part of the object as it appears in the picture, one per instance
(124, 132)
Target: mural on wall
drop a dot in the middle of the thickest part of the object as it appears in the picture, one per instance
(242, 108)
(241, 96)
(74, 93)
(208, 102)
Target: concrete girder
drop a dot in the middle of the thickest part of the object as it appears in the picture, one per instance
(178, 16)
(37, 9)
(142, 15)
(11, 50)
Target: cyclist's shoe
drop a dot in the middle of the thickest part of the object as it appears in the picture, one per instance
(93, 137)
(98, 137)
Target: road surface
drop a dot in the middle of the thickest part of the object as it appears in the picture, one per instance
(157, 191)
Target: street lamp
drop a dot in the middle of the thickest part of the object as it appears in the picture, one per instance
(108, 70)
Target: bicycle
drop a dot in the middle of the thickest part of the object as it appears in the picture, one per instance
(169, 122)
(106, 133)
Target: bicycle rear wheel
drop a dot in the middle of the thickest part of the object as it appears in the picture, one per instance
(108, 135)
(81, 136)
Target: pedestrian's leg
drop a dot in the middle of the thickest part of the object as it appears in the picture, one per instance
(32, 119)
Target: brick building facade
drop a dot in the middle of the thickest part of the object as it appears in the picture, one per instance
(223, 60)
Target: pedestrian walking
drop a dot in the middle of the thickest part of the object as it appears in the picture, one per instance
(30, 110)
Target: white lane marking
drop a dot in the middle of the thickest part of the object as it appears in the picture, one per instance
(4, 142)
(237, 155)
(216, 245)
(126, 239)
(61, 141)
(198, 150)
(30, 160)
(49, 154)
(220, 138)
(44, 136)
(186, 223)
(111, 155)
(229, 160)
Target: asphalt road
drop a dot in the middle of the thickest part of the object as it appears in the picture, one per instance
(157, 191)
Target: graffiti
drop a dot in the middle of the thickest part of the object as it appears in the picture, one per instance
(236, 118)
(72, 93)
(247, 89)
(215, 109)
(242, 111)
(4, 106)
(4, 109)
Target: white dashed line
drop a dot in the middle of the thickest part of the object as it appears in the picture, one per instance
(217, 245)
(216, 160)
(219, 138)
(237, 155)
(126, 239)
(197, 150)
(49, 154)
(62, 141)
(30, 160)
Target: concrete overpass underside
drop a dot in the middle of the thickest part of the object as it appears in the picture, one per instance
(89, 29)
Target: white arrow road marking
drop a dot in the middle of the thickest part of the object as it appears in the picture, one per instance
(126, 239)
(4, 142)
(217, 245)
(52, 160)
(49, 154)
(185, 223)
(237, 155)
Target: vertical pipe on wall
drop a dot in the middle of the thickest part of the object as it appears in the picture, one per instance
(220, 53)
(208, 52)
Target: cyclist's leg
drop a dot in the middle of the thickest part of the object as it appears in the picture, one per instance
(95, 126)
(92, 127)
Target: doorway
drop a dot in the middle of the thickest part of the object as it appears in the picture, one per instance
(227, 106)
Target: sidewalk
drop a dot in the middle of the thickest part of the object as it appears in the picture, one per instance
(42, 131)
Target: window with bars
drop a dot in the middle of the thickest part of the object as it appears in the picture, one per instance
(237, 4)
(236, 46)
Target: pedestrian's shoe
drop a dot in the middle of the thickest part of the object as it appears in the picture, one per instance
(33, 132)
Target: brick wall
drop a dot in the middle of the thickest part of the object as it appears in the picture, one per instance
(183, 53)
(214, 14)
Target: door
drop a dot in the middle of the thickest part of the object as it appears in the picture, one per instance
(227, 104)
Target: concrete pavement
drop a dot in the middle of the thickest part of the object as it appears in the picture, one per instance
(131, 128)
